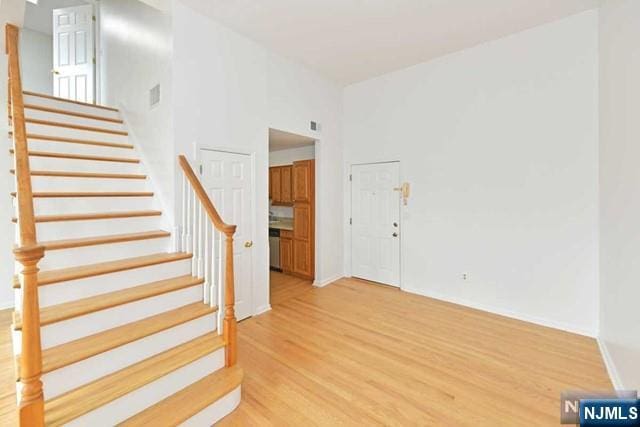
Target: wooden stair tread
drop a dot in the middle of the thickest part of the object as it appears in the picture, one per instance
(31, 136)
(66, 354)
(81, 307)
(75, 403)
(85, 174)
(102, 240)
(71, 113)
(80, 157)
(62, 194)
(192, 399)
(93, 216)
(81, 272)
(74, 126)
(42, 95)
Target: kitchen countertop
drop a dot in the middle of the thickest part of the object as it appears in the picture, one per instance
(282, 224)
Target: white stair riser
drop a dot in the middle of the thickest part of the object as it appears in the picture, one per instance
(216, 411)
(60, 131)
(83, 372)
(69, 106)
(73, 257)
(76, 148)
(58, 293)
(79, 327)
(127, 406)
(75, 120)
(59, 183)
(47, 231)
(81, 165)
(69, 205)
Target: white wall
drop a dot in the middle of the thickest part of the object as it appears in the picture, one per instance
(136, 54)
(290, 155)
(500, 144)
(228, 91)
(620, 190)
(36, 56)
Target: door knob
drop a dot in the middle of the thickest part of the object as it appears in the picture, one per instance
(55, 71)
(248, 244)
(395, 224)
(395, 234)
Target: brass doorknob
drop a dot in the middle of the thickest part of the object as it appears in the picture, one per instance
(248, 244)
(55, 71)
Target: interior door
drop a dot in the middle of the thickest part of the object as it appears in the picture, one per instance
(375, 222)
(73, 53)
(227, 179)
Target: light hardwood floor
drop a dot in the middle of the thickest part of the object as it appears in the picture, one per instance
(354, 353)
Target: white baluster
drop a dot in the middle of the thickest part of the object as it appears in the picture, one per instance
(200, 240)
(220, 289)
(194, 234)
(187, 221)
(183, 223)
(207, 263)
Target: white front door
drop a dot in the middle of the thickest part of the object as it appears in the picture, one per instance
(375, 222)
(73, 59)
(227, 179)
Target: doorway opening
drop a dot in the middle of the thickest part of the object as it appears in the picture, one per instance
(58, 49)
(292, 214)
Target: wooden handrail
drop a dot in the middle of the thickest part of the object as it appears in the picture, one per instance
(203, 197)
(229, 323)
(28, 253)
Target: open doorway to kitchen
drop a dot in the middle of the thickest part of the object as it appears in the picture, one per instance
(292, 239)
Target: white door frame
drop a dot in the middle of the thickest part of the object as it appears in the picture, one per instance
(252, 155)
(350, 195)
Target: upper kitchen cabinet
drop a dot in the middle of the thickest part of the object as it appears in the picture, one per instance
(280, 185)
(303, 180)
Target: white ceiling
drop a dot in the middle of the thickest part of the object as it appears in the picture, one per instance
(353, 40)
(280, 140)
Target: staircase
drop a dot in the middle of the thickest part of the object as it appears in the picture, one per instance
(120, 325)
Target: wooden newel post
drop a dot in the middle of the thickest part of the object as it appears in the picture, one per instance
(31, 397)
(229, 324)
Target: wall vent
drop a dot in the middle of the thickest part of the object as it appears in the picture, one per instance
(154, 96)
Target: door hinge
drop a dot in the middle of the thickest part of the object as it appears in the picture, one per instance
(93, 18)
(350, 177)
(200, 168)
(350, 221)
(94, 61)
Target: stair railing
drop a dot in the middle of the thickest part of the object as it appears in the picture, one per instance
(203, 239)
(27, 251)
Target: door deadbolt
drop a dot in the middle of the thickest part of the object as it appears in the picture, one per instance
(395, 234)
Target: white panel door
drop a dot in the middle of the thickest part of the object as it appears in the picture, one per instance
(375, 222)
(73, 67)
(227, 179)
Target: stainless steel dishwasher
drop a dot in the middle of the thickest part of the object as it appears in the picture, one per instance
(274, 248)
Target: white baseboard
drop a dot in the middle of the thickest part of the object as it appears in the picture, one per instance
(262, 309)
(502, 312)
(325, 282)
(611, 367)
(6, 304)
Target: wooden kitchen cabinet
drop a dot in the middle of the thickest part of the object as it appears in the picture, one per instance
(280, 185)
(303, 172)
(286, 252)
(286, 184)
(304, 219)
(275, 184)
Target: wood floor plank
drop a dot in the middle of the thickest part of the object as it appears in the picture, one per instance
(354, 353)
